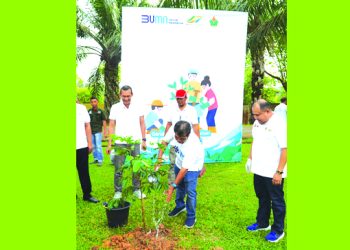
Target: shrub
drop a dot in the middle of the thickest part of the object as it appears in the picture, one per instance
(83, 95)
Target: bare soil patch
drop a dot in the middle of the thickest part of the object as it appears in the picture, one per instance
(138, 239)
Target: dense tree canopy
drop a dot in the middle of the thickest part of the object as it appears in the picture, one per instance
(267, 31)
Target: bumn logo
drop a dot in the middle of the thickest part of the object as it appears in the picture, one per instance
(154, 19)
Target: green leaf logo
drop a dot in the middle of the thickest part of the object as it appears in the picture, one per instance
(214, 22)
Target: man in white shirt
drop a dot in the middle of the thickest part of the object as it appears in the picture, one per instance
(188, 164)
(182, 112)
(126, 119)
(281, 109)
(83, 148)
(268, 160)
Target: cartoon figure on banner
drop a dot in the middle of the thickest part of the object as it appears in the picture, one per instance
(155, 119)
(193, 88)
(210, 96)
(194, 96)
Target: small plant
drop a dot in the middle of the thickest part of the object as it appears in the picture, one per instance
(113, 203)
(143, 166)
(159, 211)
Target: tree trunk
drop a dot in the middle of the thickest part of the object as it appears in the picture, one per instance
(257, 84)
(111, 86)
(143, 211)
(257, 74)
(284, 84)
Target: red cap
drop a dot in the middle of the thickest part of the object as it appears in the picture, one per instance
(181, 93)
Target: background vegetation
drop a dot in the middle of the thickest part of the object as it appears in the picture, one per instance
(266, 43)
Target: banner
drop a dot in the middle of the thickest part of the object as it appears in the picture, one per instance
(201, 51)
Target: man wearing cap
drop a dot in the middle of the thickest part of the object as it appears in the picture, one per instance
(126, 119)
(182, 112)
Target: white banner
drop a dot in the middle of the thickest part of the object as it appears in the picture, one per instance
(164, 50)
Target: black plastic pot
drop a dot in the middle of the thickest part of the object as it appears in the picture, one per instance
(118, 217)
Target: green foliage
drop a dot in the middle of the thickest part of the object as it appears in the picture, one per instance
(83, 95)
(113, 203)
(270, 92)
(247, 81)
(279, 53)
(101, 22)
(78, 81)
(159, 209)
(267, 30)
(141, 166)
(96, 82)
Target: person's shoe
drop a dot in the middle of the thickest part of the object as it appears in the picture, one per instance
(138, 194)
(189, 223)
(176, 211)
(274, 237)
(255, 227)
(117, 195)
(94, 162)
(91, 199)
(99, 164)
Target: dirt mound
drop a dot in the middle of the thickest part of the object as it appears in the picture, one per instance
(138, 239)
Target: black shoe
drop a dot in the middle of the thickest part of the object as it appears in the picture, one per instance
(91, 199)
(176, 211)
(94, 162)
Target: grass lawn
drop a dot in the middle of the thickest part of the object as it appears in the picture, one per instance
(226, 204)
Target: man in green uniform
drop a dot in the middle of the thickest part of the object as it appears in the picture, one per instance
(97, 121)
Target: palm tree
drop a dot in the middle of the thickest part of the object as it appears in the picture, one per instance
(102, 23)
(267, 21)
(266, 32)
(196, 4)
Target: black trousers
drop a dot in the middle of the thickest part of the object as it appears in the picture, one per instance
(268, 195)
(82, 157)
